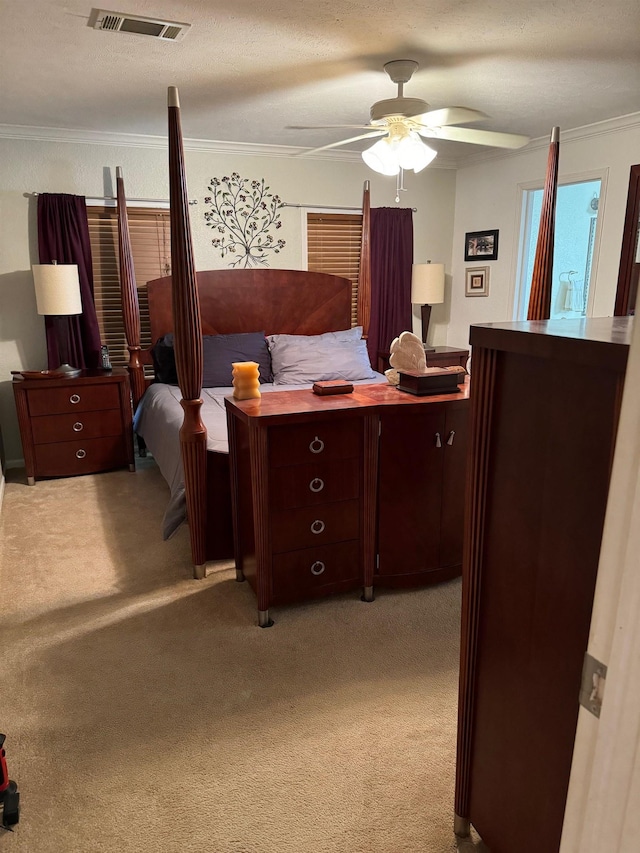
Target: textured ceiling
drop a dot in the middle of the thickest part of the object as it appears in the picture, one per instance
(249, 68)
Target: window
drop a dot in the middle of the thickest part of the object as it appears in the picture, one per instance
(151, 249)
(575, 233)
(333, 246)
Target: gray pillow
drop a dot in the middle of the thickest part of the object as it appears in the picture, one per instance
(218, 353)
(301, 359)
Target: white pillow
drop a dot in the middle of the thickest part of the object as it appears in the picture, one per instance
(301, 359)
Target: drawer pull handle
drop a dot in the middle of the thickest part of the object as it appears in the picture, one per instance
(317, 445)
(316, 485)
(452, 435)
(74, 398)
(81, 453)
(438, 440)
(78, 427)
(318, 567)
(317, 526)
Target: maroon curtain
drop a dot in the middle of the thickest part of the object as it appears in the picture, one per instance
(63, 236)
(391, 243)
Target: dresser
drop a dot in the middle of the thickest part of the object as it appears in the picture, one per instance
(333, 493)
(545, 405)
(77, 425)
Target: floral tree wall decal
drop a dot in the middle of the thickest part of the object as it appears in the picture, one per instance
(243, 212)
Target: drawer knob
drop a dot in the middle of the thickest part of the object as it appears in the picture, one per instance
(74, 398)
(317, 526)
(317, 445)
(438, 440)
(452, 435)
(78, 427)
(81, 453)
(316, 485)
(318, 567)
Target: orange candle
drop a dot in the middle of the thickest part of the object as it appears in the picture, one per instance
(246, 382)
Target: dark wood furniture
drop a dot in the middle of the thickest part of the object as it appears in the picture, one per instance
(544, 412)
(336, 492)
(241, 300)
(629, 272)
(75, 426)
(438, 357)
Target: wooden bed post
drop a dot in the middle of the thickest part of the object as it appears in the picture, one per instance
(129, 295)
(188, 342)
(541, 280)
(364, 283)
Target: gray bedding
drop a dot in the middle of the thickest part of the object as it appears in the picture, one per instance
(158, 420)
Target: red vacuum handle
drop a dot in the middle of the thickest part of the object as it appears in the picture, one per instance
(4, 775)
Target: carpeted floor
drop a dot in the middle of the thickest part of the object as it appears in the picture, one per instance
(146, 711)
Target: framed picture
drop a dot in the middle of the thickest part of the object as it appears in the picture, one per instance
(482, 245)
(476, 281)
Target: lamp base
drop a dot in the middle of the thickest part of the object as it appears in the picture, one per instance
(69, 371)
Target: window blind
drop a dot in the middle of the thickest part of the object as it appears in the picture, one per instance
(333, 246)
(149, 233)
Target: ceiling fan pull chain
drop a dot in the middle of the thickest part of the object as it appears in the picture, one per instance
(400, 187)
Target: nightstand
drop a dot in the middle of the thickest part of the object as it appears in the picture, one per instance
(438, 357)
(80, 425)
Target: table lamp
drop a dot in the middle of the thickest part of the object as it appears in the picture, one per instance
(427, 289)
(58, 296)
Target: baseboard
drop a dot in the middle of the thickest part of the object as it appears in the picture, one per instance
(1, 489)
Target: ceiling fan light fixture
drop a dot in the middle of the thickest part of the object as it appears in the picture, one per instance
(387, 156)
(413, 153)
(382, 158)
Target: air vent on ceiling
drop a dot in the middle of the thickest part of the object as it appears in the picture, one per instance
(121, 23)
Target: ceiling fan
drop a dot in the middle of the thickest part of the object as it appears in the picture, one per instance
(401, 122)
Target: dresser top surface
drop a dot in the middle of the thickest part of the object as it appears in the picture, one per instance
(304, 401)
(614, 330)
(600, 341)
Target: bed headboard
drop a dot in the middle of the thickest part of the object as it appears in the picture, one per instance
(249, 300)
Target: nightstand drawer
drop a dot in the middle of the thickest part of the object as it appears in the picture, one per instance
(78, 426)
(315, 525)
(293, 445)
(315, 569)
(80, 397)
(316, 483)
(67, 458)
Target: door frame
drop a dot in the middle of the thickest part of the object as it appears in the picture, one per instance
(604, 788)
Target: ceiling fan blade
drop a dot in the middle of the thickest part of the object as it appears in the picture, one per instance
(343, 142)
(476, 137)
(329, 126)
(450, 115)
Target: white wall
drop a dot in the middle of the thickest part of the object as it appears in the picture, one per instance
(487, 197)
(28, 166)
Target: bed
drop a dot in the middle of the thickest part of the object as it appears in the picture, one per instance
(192, 306)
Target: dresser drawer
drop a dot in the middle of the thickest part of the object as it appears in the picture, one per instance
(78, 426)
(315, 525)
(67, 458)
(315, 570)
(73, 398)
(316, 483)
(294, 445)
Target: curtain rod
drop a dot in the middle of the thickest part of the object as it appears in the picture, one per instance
(328, 206)
(114, 198)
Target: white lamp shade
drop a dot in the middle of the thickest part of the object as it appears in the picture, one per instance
(381, 157)
(57, 289)
(390, 154)
(427, 284)
(413, 153)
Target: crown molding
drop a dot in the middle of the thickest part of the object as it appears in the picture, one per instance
(211, 146)
(575, 134)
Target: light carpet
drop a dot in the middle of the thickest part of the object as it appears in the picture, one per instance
(146, 711)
